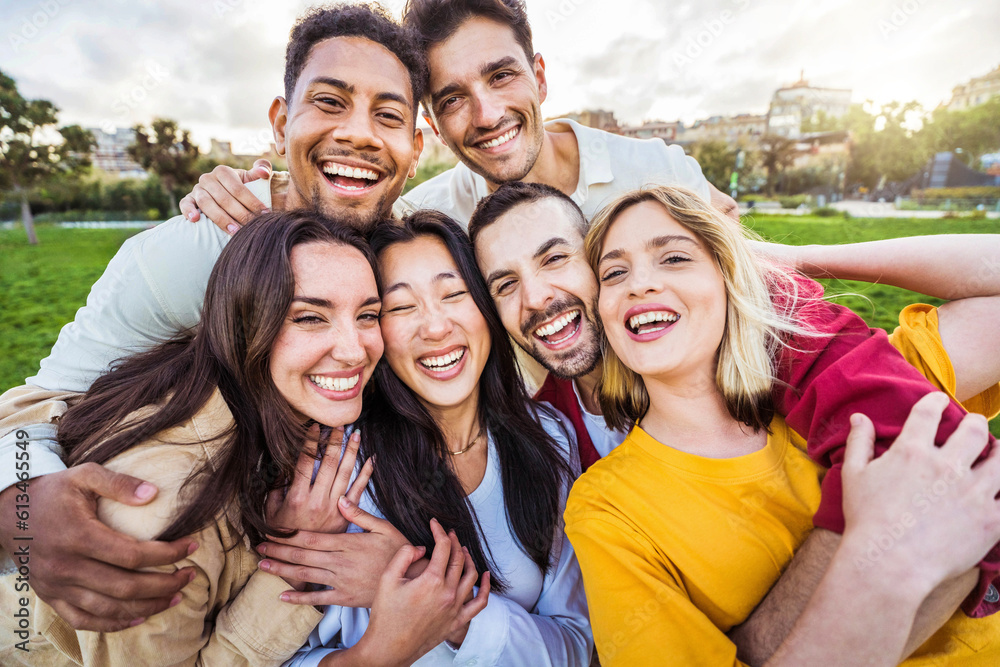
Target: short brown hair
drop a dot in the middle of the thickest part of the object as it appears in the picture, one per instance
(434, 21)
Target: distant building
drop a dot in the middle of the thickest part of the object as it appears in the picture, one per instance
(599, 119)
(655, 129)
(800, 102)
(976, 91)
(741, 130)
(111, 153)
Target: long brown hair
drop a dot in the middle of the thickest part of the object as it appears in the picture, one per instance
(248, 297)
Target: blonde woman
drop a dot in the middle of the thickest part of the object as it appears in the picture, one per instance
(682, 530)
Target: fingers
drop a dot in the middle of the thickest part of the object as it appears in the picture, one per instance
(967, 442)
(361, 481)
(233, 181)
(261, 169)
(401, 562)
(294, 555)
(860, 443)
(315, 575)
(346, 467)
(922, 424)
(189, 209)
(349, 510)
(207, 195)
(306, 462)
(471, 608)
(98, 480)
(328, 596)
(81, 620)
(325, 482)
(312, 540)
(107, 546)
(469, 575)
(456, 562)
(442, 550)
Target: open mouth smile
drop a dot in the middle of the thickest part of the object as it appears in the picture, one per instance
(339, 388)
(350, 179)
(559, 331)
(646, 324)
(500, 141)
(443, 366)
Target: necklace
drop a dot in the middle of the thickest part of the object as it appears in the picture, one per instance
(469, 446)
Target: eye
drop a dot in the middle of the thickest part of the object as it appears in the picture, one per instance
(456, 294)
(502, 76)
(307, 319)
(675, 259)
(368, 317)
(398, 309)
(611, 275)
(330, 101)
(505, 288)
(448, 103)
(391, 116)
(552, 259)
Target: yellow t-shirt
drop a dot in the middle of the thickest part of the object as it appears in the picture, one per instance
(676, 549)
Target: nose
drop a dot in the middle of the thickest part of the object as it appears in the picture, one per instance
(536, 294)
(346, 346)
(356, 128)
(643, 280)
(435, 324)
(487, 109)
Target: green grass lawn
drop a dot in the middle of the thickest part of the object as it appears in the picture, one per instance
(41, 287)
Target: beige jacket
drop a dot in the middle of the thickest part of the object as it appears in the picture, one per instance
(229, 615)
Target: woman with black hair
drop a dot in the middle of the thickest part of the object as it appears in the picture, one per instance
(456, 439)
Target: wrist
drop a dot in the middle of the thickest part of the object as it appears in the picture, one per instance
(885, 572)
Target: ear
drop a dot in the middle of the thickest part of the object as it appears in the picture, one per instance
(278, 114)
(430, 121)
(543, 85)
(418, 147)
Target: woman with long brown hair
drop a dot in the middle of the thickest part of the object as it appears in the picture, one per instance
(217, 419)
(684, 528)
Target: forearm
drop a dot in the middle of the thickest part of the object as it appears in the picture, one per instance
(772, 621)
(862, 615)
(946, 266)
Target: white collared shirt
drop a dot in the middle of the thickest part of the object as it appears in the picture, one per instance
(610, 165)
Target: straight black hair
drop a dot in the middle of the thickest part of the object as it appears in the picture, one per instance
(414, 479)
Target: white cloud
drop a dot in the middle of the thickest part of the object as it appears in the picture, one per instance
(215, 65)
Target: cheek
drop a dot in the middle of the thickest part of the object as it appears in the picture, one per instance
(373, 344)
(394, 339)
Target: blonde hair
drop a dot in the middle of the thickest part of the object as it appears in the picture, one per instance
(756, 328)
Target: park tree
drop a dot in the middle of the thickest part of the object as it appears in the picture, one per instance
(777, 155)
(717, 160)
(970, 133)
(33, 150)
(168, 152)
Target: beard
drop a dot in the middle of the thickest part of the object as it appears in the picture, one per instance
(571, 363)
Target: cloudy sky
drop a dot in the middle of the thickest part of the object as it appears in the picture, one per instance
(215, 65)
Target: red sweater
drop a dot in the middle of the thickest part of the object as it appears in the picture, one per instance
(856, 369)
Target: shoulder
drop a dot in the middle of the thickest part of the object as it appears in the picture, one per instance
(167, 460)
(558, 427)
(452, 192)
(597, 489)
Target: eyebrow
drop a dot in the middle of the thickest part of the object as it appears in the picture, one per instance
(651, 244)
(325, 303)
(542, 249)
(351, 90)
(506, 61)
(444, 275)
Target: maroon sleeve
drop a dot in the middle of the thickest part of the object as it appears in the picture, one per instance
(853, 368)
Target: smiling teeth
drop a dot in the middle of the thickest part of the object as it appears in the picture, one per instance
(502, 139)
(557, 326)
(335, 384)
(444, 362)
(334, 169)
(638, 320)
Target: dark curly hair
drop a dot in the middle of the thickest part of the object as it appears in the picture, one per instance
(371, 22)
(434, 21)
